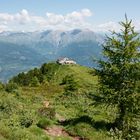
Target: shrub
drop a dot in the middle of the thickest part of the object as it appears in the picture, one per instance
(49, 70)
(26, 121)
(8, 104)
(34, 82)
(47, 112)
(11, 87)
(27, 118)
(44, 122)
(71, 83)
(1, 86)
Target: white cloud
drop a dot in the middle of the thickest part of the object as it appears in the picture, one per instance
(75, 19)
(108, 26)
(23, 17)
(3, 28)
(26, 21)
(54, 19)
(86, 12)
(137, 25)
(113, 26)
(6, 17)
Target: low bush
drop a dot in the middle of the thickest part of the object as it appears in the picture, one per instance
(11, 87)
(44, 123)
(47, 112)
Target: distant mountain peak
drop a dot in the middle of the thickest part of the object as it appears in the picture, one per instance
(76, 31)
(20, 51)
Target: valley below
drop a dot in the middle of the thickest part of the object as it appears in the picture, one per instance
(21, 51)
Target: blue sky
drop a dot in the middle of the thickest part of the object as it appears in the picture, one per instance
(66, 14)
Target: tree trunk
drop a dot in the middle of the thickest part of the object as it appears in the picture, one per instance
(119, 122)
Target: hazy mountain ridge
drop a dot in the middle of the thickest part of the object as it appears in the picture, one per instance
(19, 51)
(52, 36)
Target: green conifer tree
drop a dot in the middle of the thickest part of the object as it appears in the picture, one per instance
(34, 82)
(119, 75)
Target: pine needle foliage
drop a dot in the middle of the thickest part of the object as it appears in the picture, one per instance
(119, 76)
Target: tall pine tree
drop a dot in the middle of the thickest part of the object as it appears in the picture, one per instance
(119, 76)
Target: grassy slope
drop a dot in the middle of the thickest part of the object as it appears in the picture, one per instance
(80, 117)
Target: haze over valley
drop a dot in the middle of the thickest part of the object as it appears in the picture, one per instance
(21, 51)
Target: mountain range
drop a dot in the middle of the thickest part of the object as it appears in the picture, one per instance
(21, 51)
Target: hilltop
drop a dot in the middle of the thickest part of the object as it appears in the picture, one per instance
(55, 73)
(50, 100)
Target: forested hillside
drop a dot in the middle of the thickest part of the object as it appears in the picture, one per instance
(54, 98)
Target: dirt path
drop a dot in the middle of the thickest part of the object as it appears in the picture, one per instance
(57, 131)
